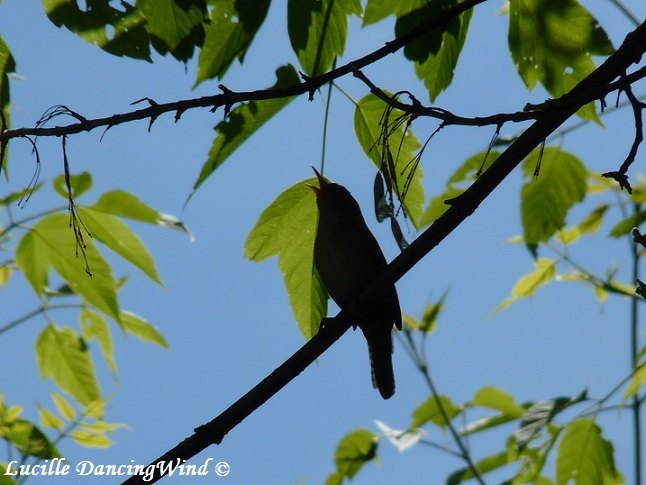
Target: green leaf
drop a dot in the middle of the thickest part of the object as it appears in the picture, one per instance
(636, 382)
(51, 244)
(63, 406)
(430, 410)
(7, 65)
(377, 10)
(318, 30)
(526, 286)
(89, 439)
(626, 225)
(234, 24)
(78, 183)
(584, 456)
(552, 42)
(546, 198)
(96, 409)
(120, 238)
(20, 194)
(495, 398)
(485, 465)
(568, 235)
(592, 222)
(457, 184)
(287, 229)
(355, 450)
(49, 419)
(140, 328)
(63, 355)
(5, 274)
(126, 25)
(243, 121)
(175, 27)
(30, 440)
(428, 322)
(402, 150)
(124, 204)
(94, 326)
(435, 53)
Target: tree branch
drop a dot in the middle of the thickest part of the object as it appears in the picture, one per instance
(462, 207)
(530, 111)
(228, 98)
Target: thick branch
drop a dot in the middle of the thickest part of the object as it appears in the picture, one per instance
(228, 98)
(462, 207)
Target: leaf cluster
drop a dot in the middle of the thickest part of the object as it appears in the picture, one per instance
(44, 250)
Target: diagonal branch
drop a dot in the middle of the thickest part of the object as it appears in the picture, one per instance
(462, 207)
(228, 98)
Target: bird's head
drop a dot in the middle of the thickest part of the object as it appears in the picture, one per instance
(334, 200)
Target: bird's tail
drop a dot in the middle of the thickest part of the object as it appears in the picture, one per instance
(381, 366)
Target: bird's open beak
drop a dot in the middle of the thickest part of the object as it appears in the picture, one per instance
(322, 182)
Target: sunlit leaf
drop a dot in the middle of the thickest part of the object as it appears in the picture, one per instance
(318, 30)
(626, 225)
(78, 183)
(552, 42)
(593, 221)
(5, 274)
(547, 197)
(233, 25)
(584, 456)
(175, 27)
(568, 235)
(49, 419)
(403, 147)
(484, 465)
(120, 32)
(435, 53)
(287, 229)
(91, 440)
(94, 326)
(116, 235)
(63, 355)
(526, 286)
(51, 244)
(636, 382)
(7, 65)
(377, 10)
(495, 398)
(354, 450)
(63, 406)
(431, 410)
(141, 329)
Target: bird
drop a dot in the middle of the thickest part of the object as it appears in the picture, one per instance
(348, 257)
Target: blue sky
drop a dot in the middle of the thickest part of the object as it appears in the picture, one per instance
(228, 320)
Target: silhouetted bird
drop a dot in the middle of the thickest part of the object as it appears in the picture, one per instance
(348, 257)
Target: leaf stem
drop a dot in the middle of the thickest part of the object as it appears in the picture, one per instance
(326, 120)
(35, 312)
(419, 357)
(623, 9)
(634, 358)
